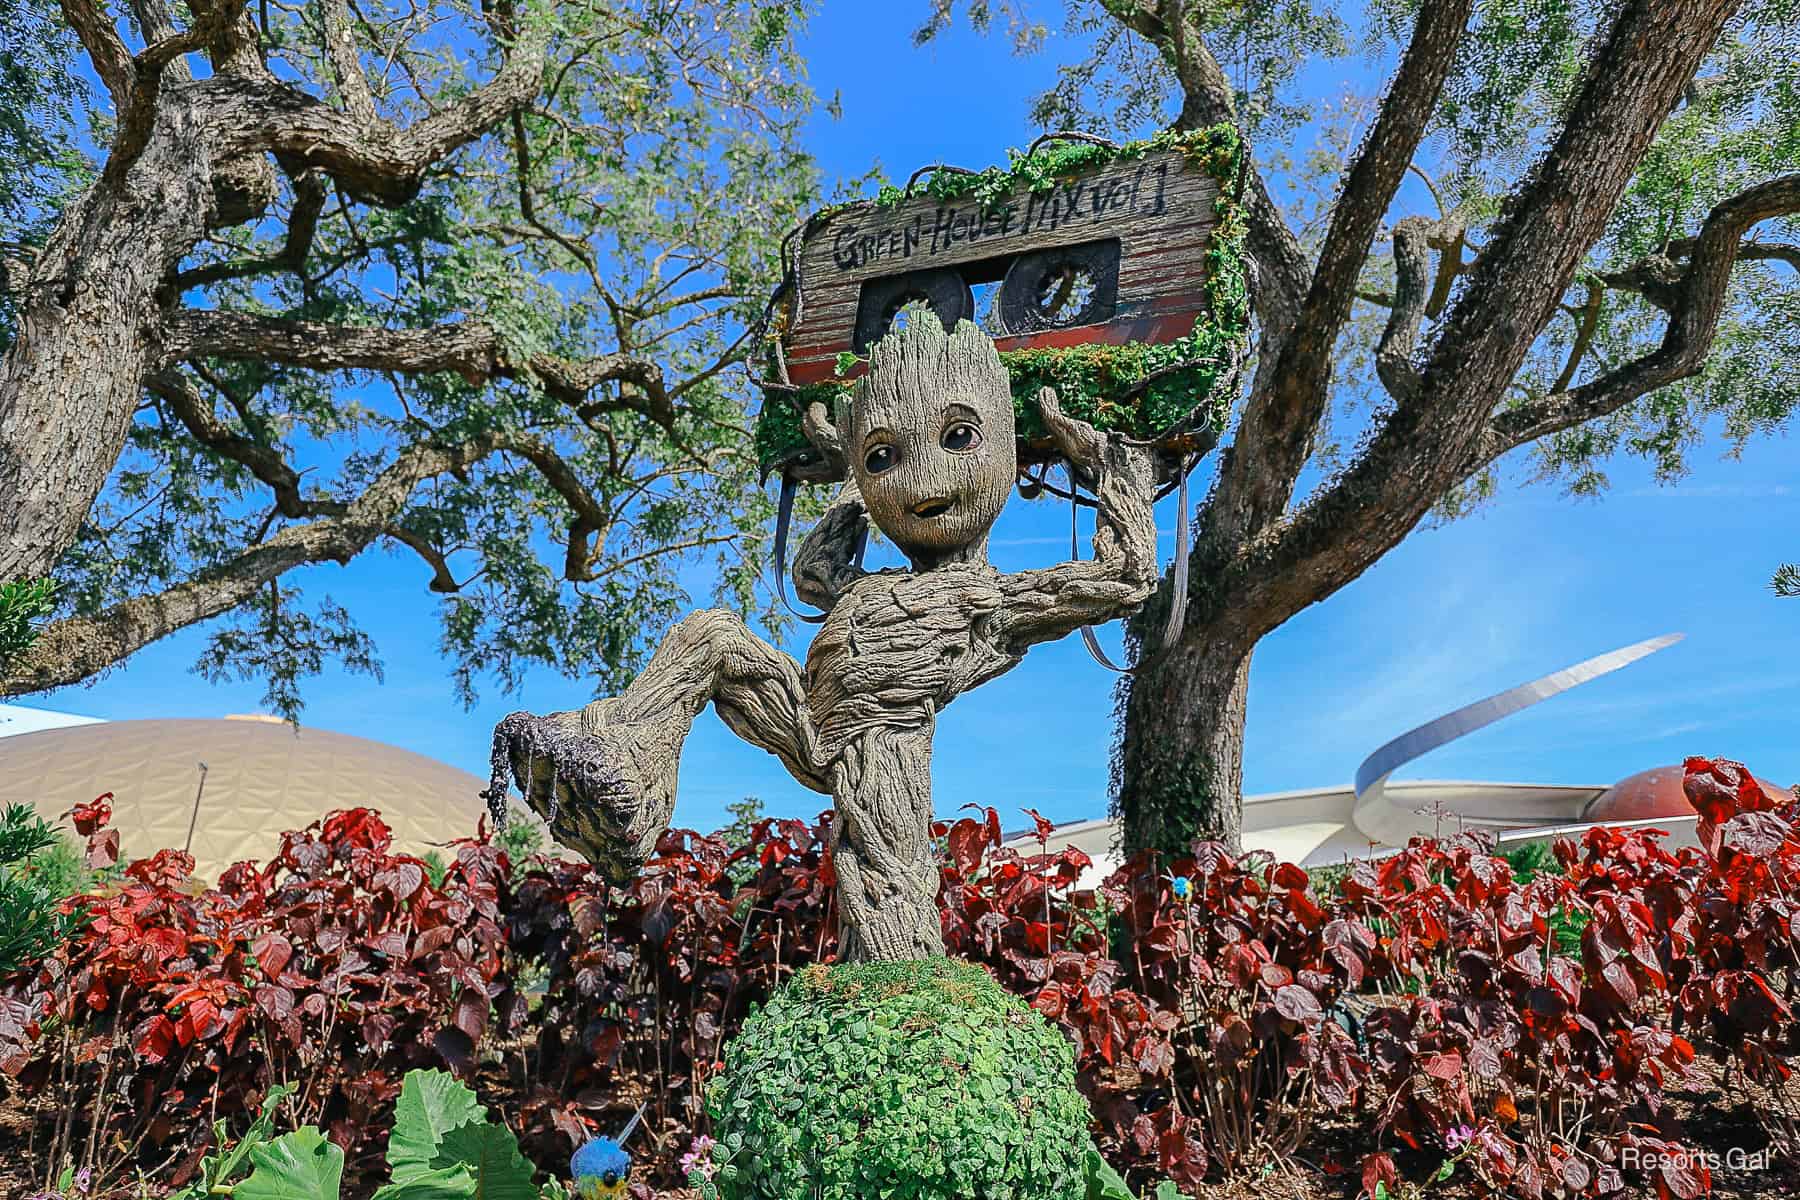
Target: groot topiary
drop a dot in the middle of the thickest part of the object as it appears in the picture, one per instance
(921, 1079)
(928, 446)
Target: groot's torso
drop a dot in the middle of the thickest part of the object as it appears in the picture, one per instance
(900, 645)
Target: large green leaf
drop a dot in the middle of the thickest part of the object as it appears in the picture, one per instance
(491, 1152)
(225, 1168)
(444, 1183)
(300, 1165)
(432, 1103)
(1104, 1183)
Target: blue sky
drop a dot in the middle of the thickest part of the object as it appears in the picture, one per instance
(1533, 583)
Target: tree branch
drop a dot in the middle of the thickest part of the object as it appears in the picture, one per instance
(1282, 416)
(264, 462)
(1430, 440)
(77, 648)
(378, 162)
(155, 24)
(442, 581)
(340, 48)
(112, 61)
(137, 113)
(303, 226)
(1696, 301)
(470, 348)
(1412, 267)
(592, 520)
(1587, 320)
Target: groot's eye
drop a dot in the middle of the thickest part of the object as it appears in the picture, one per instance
(961, 437)
(880, 458)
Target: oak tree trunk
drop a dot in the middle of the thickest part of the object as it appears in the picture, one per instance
(1180, 768)
(88, 327)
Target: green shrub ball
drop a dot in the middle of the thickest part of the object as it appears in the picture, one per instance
(919, 1079)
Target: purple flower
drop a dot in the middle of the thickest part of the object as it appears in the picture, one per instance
(699, 1157)
(1456, 1138)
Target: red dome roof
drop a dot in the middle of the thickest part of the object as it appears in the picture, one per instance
(1654, 795)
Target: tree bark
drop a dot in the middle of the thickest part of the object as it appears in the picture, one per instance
(88, 329)
(1179, 770)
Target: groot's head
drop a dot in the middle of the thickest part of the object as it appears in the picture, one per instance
(930, 438)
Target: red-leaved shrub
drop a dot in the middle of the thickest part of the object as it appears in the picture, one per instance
(1530, 1028)
(336, 967)
(643, 985)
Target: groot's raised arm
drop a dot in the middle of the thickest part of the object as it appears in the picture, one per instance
(826, 563)
(1047, 604)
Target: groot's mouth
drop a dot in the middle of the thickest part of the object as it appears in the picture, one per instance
(937, 506)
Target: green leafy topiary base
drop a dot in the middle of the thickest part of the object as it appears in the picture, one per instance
(919, 1079)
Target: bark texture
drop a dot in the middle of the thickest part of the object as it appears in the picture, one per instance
(895, 648)
(88, 329)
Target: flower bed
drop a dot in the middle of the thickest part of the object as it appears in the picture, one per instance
(1519, 1034)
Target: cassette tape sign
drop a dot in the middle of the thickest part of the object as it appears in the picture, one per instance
(1112, 254)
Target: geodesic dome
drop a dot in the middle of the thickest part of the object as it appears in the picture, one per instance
(238, 782)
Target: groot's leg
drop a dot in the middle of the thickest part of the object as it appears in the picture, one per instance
(604, 778)
(881, 846)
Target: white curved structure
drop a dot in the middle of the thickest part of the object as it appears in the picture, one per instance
(1391, 821)
(17, 718)
(1321, 826)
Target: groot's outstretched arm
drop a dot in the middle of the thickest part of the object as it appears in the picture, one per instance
(604, 777)
(1047, 604)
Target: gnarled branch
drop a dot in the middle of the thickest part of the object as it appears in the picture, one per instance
(1695, 302)
(374, 160)
(1282, 416)
(303, 227)
(112, 61)
(470, 348)
(264, 462)
(76, 648)
(1281, 270)
(137, 111)
(1412, 269)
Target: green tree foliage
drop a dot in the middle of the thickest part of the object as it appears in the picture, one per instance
(39, 92)
(567, 298)
(36, 874)
(23, 602)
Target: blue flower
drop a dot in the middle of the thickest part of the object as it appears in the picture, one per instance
(600, 1169)
(1182, 886)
